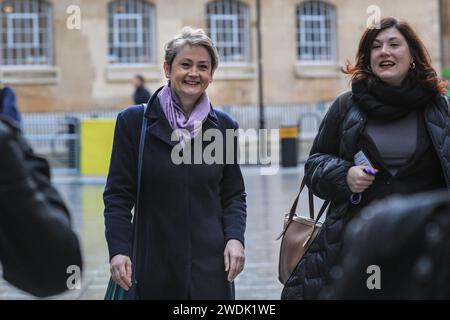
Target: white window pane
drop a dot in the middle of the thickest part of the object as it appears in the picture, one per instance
(22, 24)
(131, 29)
(316, 31)
(227, 26)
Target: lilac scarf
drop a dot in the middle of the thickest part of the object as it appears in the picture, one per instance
(176, 116)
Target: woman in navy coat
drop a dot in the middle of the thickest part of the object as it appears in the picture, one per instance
(192, 216)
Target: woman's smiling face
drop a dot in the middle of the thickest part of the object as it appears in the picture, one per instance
(190, 73)
(390, 57)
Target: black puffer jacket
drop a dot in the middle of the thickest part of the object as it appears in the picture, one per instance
(326, 169)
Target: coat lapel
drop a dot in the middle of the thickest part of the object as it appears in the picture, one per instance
(212, 121)
(160, 128)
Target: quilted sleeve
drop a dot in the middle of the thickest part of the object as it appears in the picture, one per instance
(325, 171)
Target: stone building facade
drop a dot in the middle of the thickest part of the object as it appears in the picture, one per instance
(81, 54)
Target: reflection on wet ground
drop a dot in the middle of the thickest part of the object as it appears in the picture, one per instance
(268, 199)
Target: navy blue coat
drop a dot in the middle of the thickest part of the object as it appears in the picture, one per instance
(8, 104)
(187, 212)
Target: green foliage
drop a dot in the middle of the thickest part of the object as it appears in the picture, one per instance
(446, 73)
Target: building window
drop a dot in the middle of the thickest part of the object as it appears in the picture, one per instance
(228, 27)
(131, 32)
(316, 32)
(26, 33)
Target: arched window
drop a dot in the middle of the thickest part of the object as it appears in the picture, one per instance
(26, 32)
(316, 32)
(228, 27)
(131, 32)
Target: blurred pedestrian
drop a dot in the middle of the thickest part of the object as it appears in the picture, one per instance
(8, 104)
(396, 249)
(397, 115)
(37, 245)
(192, 217)
(141, 93)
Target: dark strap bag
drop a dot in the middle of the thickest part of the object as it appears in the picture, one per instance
(114, 291)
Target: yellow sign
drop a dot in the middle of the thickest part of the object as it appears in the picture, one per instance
(289, 132)
(96, 145)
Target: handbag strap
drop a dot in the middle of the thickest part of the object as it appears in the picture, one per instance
(294, 205)
(447, 100)
(138, 191)
(311, 203)
(311, 207)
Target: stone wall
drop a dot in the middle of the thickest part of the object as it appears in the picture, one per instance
(85, 81)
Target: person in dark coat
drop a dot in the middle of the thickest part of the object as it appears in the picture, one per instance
(192, 215)
(38, 249)
(141, 94)
(396, 249)
(8, 105)
(396, 114)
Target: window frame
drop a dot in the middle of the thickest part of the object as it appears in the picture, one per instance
(26, 32)
(140, 51)
(11, 17)
(234, 51)
(312, 51)
(117, 32)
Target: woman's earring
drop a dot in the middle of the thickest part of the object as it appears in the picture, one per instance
(412, 66)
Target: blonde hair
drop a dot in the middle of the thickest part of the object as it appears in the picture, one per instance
(194, 37)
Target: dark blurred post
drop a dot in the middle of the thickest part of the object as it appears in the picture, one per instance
(260, 67)
(262, 125)
(72, 144)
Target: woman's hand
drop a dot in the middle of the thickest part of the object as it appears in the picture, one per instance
(121, 271)
(358, 180)
(234, 258)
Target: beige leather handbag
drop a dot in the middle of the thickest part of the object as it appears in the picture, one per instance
(297, 235)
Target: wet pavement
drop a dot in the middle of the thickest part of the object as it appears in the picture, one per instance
(269, 198)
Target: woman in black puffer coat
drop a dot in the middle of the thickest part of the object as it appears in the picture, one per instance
(396, 114)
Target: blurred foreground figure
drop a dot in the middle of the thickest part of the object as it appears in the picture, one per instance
(8, 105)
(37, 244)
(408, 239)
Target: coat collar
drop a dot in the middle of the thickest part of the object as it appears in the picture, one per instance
(159, 127)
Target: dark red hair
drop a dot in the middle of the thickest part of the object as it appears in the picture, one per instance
(423, 73)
